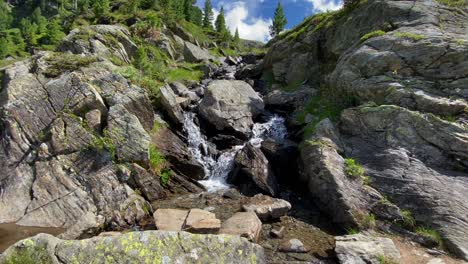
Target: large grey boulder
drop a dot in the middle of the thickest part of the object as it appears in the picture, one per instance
(230, 106)
(136, 247)
(195, 54)
(360, 249)
(171, 106)
(100, 40)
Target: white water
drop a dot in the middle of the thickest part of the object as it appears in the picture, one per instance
(217, 170)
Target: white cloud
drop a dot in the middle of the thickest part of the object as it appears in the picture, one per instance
(326, 5)
(253, 28)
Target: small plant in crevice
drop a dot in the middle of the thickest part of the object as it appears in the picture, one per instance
(372, 34)
(408, 221)
(353, 169)
(431, 234)
(106, 142)
(352, 231)
(386, 260)
(364, 220)
(158, 165)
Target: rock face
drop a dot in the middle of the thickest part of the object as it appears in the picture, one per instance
(56, 170)
(252, 172)
(171, 106)
(101, 40)
(202, 222)
(413, 71)
(362, 249)
(136, 247)
(170, 219)
(267, 207)
(244, 224)
(193, 53)
(230, 106)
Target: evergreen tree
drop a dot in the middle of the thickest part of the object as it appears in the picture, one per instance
(5, 16)
(29, 31)
(188, 9)
(197, 16)
(54, 32)
(236, 39)
(208, 15)
(101, 7)
(220, 22)
(39, 20)
(4, 46)
(279, 21)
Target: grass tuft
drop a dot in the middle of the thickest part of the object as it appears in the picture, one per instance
(430, 233)
(408, 35)
(372, 34)
(353, 169)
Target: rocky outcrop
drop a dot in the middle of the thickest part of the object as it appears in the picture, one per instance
(230, 106)
(365, 249)
(136, 247)
(100, 40)
(195, 54)
(57, 170)
(252, 172)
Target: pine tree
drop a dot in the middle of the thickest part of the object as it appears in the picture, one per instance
(29, 31)
(220, 22)
(39, 20)
(208, 15)
(279, 21)
(54, 32)
(5, 16)
(101, 7)
(188, 9)
(197, 16)
(4, 45)
(236, 39)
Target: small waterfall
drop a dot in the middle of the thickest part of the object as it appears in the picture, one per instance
(217, 170)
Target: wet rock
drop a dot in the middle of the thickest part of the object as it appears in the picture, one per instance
(171, 106)
(177, 154)
(244, 224)
(126, 132)
(283, 158)
(182, 90)
(230, 106)
(365, 249)
(232, 194)
(148, 246)
(170, 219)
(196, 54)
(202, 222)
(147, 183)
(267, 207)
(253, 172)
(288, 101)
(293, 245)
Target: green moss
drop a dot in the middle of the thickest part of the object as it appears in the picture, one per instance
(408, 35)
(372, 34)
(430, 233)
(30, 254)
(454, 3)
(353, 169)
(63, 62)
(460, 41)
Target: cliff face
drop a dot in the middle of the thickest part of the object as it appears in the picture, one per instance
(403, 65)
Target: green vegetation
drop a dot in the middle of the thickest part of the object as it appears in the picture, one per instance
(186, 71)
(372, 34)
(386, 260)
(411, 36)
(208, 15)
(353, 169)
(105, 142)
(454, 3)
(431, 234)
(279, 21)
(364, 220)
(352, 231)
(30, 254)
(158, 165)
(60, 63)
(319, 108)
(221, 27)
(408, 219)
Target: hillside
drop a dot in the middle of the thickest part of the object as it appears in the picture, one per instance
(136, 132)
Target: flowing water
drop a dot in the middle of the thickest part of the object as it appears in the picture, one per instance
(218, 169)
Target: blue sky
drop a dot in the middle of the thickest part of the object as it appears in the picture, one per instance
(253, 17)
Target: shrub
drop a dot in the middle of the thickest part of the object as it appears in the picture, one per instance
(430, 233)
(372, 34)
(353, 169)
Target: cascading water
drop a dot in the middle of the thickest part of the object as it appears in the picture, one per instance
(217, 170)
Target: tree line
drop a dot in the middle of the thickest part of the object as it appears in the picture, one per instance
(41, 24)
